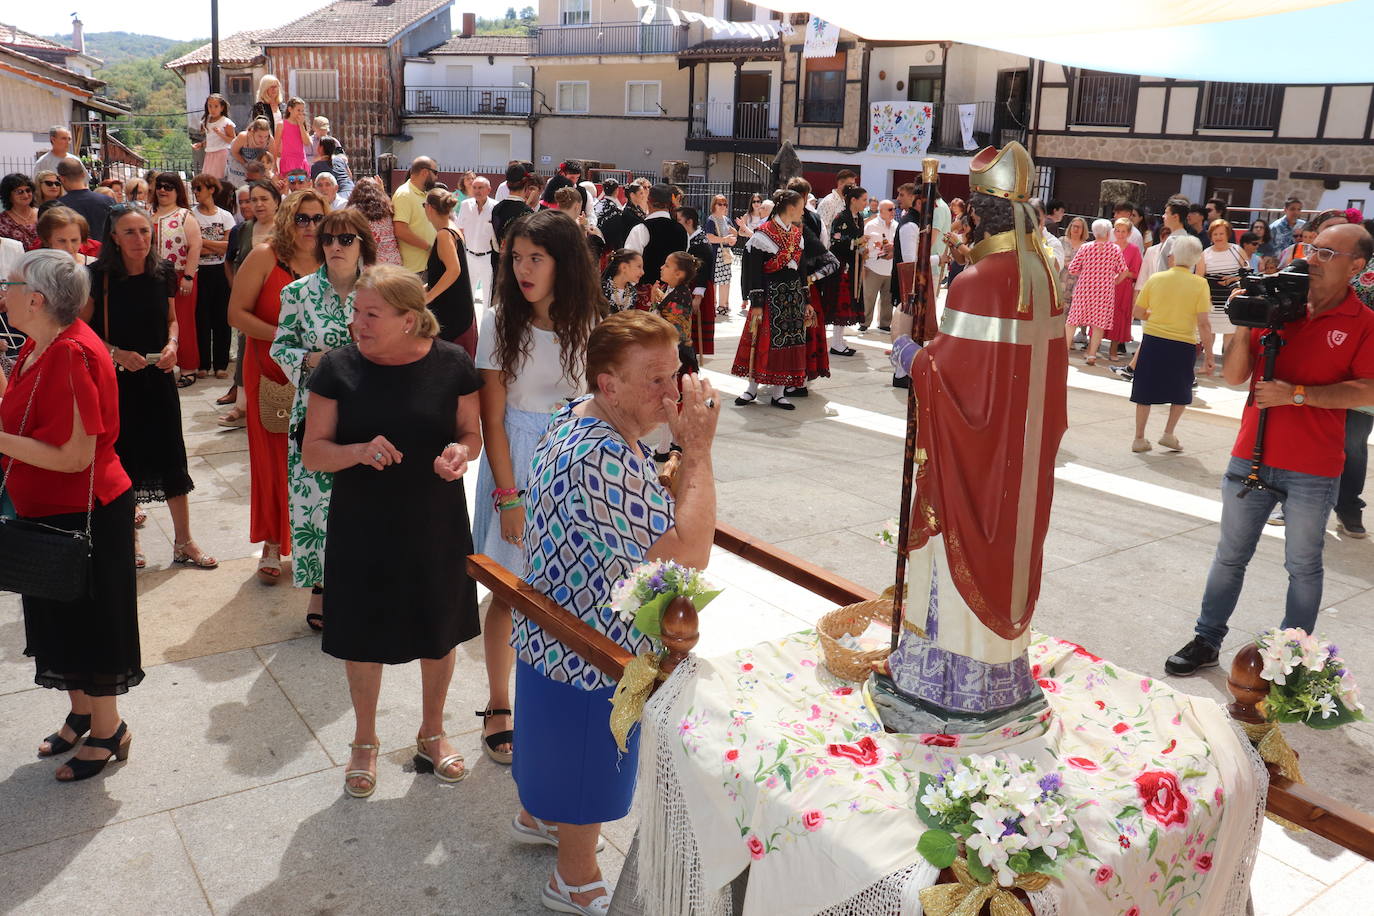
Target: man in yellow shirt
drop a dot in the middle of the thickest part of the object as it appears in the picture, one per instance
(1174, 304)
(414, 232)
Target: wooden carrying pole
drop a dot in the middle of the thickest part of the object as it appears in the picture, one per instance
(922, 307)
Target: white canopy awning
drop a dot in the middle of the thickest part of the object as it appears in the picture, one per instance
(1259, 41)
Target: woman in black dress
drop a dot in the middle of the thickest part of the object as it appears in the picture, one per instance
(140, 328)
(395, 418)
(450, 294)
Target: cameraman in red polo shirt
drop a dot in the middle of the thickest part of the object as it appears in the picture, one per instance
(1326, 365)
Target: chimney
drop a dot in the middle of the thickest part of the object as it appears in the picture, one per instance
(469, 25)
(78, 36)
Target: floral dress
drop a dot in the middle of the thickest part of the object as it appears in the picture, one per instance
(24, 234)
(1094, 295)
(388, 252)
(314, 319)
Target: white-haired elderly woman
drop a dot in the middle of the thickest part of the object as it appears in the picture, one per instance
(1099, 266)
(1175, 306)
(60, 418)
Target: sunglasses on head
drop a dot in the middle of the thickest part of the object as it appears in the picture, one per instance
(345, 239)
(303, 219)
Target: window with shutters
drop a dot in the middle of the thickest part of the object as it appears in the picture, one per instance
(572, 97)
(642, 96)
(315, 85)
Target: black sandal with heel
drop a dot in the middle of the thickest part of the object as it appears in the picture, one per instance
(59, 745)
(491, 743)
(315, 621)
(117, 744)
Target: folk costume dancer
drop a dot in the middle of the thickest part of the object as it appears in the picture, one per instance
(991, 390)
(841, 303)
(772, 350)
(703, 284)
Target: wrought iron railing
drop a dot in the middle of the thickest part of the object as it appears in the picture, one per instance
(1242, 106)
(599, 39)
(472, 101)
(725, 120)
(1105, 99)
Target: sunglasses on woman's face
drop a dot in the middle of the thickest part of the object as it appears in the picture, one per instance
(303, 219)
(23, 190)
(346, 239)
(47, 183)
(170, 189)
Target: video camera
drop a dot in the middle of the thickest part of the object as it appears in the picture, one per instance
(1270, 301)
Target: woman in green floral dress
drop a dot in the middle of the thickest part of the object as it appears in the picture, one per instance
(316, 312)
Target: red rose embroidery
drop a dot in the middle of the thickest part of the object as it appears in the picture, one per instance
(843, 691)
(1121, 727)
(1123, 841)
(864, 754)
(1133, 911)
(732, 754)
(746, 667)
(1173, 743)
(1204, 862)
(756, 850)
(1035, 671)
(1081, 763)
(1103, 874)
(812, 820)
(1100, 704)
(1048, 685)
(1079, 650)
(1162, 798)
(940, 740)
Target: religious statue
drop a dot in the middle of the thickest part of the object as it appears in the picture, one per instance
(989, 404)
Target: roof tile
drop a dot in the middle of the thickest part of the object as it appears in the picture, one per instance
(239, 48)
(366, 22)
(522, 45)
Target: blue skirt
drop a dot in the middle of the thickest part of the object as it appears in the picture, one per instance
(567, 767)
(1163, 371)
(524, 428)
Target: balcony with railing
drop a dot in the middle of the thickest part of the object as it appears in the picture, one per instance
(471, 101)
(607, 39)
(746, 126)
(1105, 99)
(1242, 106)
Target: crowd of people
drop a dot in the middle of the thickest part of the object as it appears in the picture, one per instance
(544, 335)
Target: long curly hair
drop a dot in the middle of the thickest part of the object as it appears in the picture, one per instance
(370, 198)
(994, 216)
(576, 305)
(283, 238)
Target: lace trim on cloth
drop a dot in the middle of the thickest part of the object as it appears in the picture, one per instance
(670, 880)
(1237, 901)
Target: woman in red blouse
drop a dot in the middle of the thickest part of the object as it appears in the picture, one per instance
(60, 417)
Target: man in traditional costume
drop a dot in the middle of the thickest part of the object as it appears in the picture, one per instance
(991, 394)
(840, 295)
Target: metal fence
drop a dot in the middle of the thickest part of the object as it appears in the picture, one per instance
(472, 101)
(1105, 99)
(742, 121)
(1242, 106)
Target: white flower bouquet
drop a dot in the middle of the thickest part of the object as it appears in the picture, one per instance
(642, 597)
(1006, 816)
(1308, 680)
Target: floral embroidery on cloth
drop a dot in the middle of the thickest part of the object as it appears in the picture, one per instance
(784, 770)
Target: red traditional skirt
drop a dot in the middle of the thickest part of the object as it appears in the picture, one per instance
(817, 352)
(833, 299)
(704, 324)
(777, 352)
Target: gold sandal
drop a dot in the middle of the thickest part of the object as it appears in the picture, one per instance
(181, 556)
(426, 764)
(369, 775)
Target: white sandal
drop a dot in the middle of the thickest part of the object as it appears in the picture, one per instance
(541, 834)
(560, 901)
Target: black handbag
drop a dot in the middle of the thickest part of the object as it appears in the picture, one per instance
(40, 560)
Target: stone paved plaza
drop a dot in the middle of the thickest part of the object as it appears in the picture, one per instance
(232, 802)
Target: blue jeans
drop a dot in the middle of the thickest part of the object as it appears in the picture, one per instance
(1307, 505)
(1357, 428)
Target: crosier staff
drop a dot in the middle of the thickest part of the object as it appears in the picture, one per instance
(920, 303)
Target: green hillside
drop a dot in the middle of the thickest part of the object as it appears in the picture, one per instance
(120, 47)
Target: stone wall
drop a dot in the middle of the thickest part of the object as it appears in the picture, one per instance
(1344, 159)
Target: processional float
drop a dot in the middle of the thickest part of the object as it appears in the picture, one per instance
(770, 785)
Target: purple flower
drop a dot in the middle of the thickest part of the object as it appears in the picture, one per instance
(1051, 783)
(1009, 825)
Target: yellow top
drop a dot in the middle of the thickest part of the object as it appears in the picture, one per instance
(409, 204)
(1172, 300)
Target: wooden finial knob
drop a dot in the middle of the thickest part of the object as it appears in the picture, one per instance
(681, 631)
(1247, 685)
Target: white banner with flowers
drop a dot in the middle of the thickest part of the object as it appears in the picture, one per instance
(782, 769)
(899, 128)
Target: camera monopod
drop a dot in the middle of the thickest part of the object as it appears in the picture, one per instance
(1271, 342)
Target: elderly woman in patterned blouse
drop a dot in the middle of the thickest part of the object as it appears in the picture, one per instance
(316, 312)
(594, 493)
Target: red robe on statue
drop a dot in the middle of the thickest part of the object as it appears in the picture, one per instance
(991, 390)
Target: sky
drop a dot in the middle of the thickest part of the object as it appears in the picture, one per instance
(192, 17)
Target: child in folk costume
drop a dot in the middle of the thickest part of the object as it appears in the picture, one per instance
(620, 279)
(703, 285)
(672, 297)
(772, 350)
(841, 304)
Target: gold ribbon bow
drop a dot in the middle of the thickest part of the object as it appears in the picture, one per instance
(1273, 748)
(627, 704)
(968, 896)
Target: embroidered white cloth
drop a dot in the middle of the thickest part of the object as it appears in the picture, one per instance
(760, 759)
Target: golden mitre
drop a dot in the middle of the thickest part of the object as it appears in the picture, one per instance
(1008, 173)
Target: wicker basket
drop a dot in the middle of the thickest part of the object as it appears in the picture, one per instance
(852, 664)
